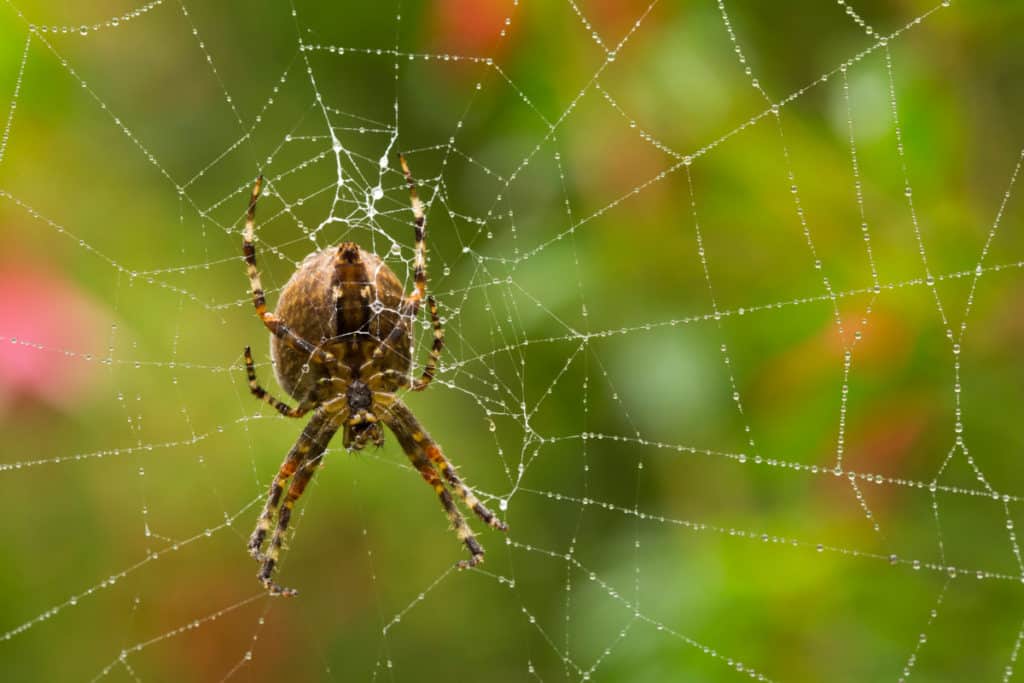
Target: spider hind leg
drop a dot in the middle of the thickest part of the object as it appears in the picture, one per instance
(276, 326)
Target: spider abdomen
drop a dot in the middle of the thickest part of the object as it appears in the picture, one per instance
(345, 299)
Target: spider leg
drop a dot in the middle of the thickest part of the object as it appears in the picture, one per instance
(435, 350)
(462, 530)
(420, 223)
(302, 477)
(259, 300)
(291, 462)
(308, 448)
(261, 393)
(426, 456)
(411, 304)
(376, 380)
(465, 493)
(426, 445)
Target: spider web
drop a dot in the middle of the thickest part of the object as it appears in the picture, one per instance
(731, 339)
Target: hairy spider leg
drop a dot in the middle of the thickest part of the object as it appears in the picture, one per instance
(259, 300)
(465, 493)
(423, 451)
(261, 393)
(298, 486)
(312, 442)
(458, 522)
(435, 350)
(433, 453)
(411, 304)
(291, 462)
(420, 223)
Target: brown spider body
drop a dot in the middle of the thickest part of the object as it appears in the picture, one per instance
(347, 299)
(340, 339)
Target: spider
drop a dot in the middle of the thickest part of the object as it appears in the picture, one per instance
(339, 338)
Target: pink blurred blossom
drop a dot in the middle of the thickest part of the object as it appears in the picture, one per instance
(43, 315)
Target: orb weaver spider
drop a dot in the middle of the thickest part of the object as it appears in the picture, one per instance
(354, 307)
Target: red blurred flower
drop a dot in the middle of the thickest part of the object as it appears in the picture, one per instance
(43, 316)
(470, 27)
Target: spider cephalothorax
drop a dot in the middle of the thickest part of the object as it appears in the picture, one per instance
(340, 339)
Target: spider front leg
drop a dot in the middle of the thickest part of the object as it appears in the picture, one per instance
(432, 451)
(266, 519)
(299, 481)
(307, 450)
(462, 530)
(465, 493)
(427, 458)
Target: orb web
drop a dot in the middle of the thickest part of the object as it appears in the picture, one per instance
(733, 362)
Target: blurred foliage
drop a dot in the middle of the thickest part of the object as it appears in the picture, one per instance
(123, 182)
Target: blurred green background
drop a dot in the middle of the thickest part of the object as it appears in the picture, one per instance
(667, 472)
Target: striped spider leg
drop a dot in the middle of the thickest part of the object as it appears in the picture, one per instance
(301, 461)
(426, 456)
(422, 451)
(273, 323)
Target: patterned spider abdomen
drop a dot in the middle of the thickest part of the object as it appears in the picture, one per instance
(346, 300)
